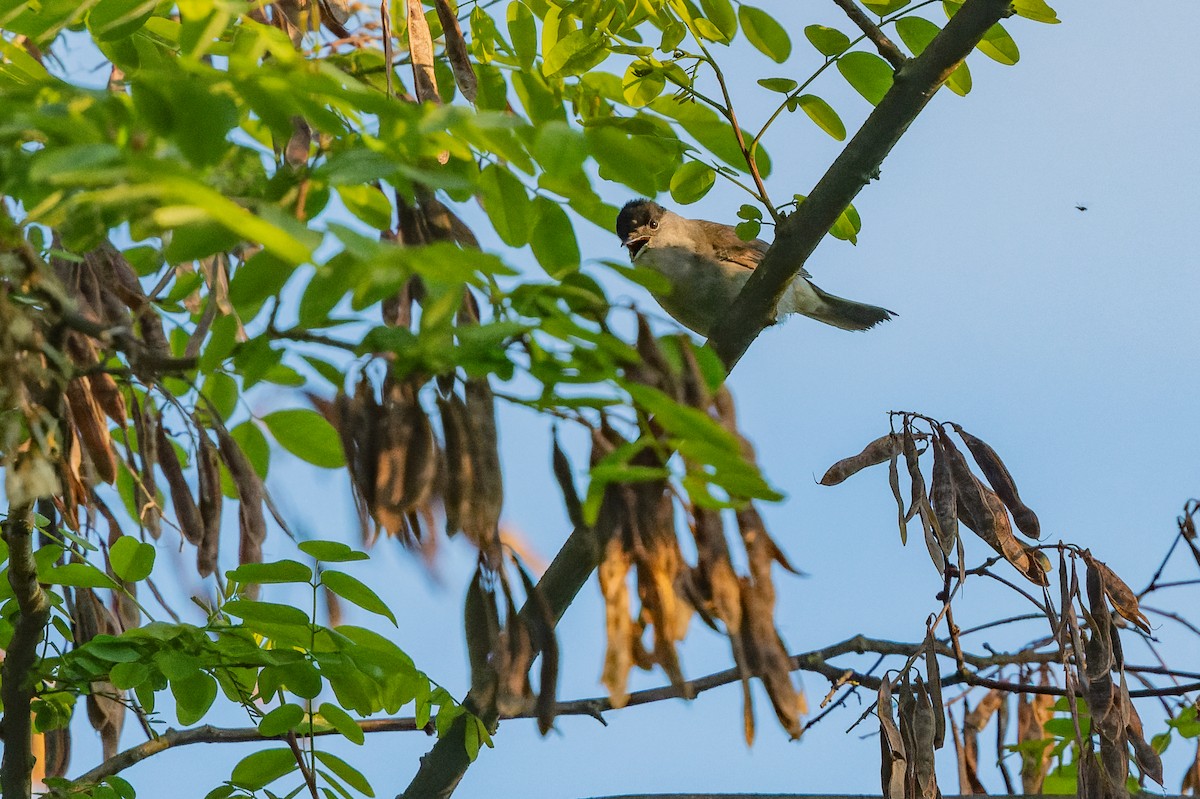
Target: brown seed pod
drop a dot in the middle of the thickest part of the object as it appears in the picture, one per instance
(252, 524)
(147, 491)
(456, 51)
(1119, 593)
(483, 522)
(187, 514)
(90, 421)
(942, 498)
(460, 468)
(878, 451)
(1002, 483)
(420, 48)
(208, 465)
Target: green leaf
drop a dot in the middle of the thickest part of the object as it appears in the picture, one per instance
(342, 721)
(916, 33)
(1036, 10)
(781, 85)
(116, 19)
(346, 772)
(253, 610)
(708, 30)
(78, 575)
(260, 769)
(280, 571)
(131, 559)
(823, 114)
(881, 8)
(692, 181)
(748, 230)
(194, 695)
(128, 675)
(307, 435)
(847, 226)
(765, 33)
(331, 551)
(959, 81)
(506, 203)
(367, 203)
(523, 32)
(575, 53)
(553, 239)
(869, 74)
(828, 41)
(354, 590)
(999, 46)
(721, 14)
(282, 719)
(642, 83)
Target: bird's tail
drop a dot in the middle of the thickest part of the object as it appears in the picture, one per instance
(846, 314)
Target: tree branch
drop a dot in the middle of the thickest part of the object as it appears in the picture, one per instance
(16, 691)
(800, 233)
(886, 47)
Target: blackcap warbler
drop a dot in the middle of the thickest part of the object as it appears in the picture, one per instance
(706, 264)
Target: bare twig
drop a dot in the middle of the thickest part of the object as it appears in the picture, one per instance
(886, 47)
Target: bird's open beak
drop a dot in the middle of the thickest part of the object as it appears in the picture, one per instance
(635, 244)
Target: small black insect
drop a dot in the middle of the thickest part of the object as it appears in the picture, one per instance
(1080, 207)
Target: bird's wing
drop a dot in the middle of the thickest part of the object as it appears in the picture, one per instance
(731, 249)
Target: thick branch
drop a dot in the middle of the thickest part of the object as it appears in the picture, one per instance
(16, 691)
(886, 47)
(799, 234)
(444, 766)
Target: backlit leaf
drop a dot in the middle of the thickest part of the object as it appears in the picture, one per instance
(869, 74)
(131, 559)
(828, 41)
(307, 435)
(823, 114)
(765, 33)
(692, 181)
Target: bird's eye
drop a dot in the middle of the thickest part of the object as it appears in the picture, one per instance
(654, 224)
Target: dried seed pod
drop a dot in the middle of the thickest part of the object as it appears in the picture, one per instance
(652, 368)
(487, 499)
(108, 396)
(186, 511)
(878, 451)
(420, 48)
(942, 498)
(252, 525)
(566, 483)
(146, 428)
(460, 467)
(1002, 483)
(89, 419)
(894, 757)
(1123, 599)
(208, 465)
(456, 51)
(618, 656)
(539, 620)
(482, 625)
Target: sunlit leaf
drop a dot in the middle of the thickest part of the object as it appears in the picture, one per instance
(765, 33)
(869, 74)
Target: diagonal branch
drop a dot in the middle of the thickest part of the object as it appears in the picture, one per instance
(799, 234)
(16, 690)
(886, 47)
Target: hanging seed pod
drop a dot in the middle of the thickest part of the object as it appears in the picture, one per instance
(186, 511)
(208, 465)
(89, 419)
(942, 498)
(878, 451)
(147, 489)
(108, 397)
(420, 48)
(252, 525)
(618, 656)
(483, 522)
(456, 51)
(1123, 599)
(460, 467)
(1002, 483)
(563, 474)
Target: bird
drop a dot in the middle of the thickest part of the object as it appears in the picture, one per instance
(707, 263)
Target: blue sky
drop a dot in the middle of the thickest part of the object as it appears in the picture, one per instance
(1066, 339)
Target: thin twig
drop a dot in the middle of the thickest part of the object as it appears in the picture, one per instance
(886, 47)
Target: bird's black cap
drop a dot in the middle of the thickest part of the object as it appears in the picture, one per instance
(636, 214)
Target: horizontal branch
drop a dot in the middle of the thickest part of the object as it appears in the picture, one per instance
(815, 661)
